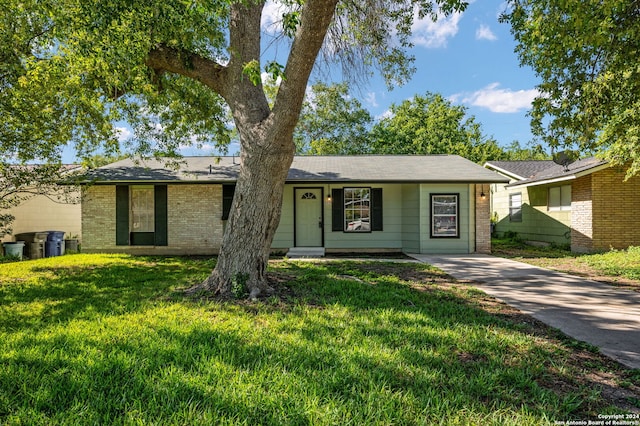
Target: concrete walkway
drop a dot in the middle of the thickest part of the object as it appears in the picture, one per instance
(590, 311)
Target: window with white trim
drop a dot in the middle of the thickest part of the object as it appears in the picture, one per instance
(560, 198)
(357, 211)
(444, 215)
(515, 207)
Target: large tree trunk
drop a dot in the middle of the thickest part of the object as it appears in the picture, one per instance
(255, 215)
(266, 136)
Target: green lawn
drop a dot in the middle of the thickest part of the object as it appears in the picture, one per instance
(109, 339)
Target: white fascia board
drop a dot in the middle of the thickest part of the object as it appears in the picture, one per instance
(544, 182)
(503, 171)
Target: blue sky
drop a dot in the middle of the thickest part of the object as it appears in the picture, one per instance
(468, 58)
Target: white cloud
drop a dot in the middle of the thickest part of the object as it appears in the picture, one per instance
(433, 35)
(123, 133)
(267, 79)
(485, 33)
(499, 100)
(386, 114)
(370, 99)
(272, 17)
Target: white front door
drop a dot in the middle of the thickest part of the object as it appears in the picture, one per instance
(308, 217)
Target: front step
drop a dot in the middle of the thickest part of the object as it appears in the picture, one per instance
(305, 252)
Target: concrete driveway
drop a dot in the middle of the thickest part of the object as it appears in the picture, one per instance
(590, 311)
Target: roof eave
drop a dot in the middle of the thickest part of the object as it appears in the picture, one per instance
(503, 171)
(560, 178)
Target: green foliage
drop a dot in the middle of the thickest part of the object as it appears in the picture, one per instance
(430, 124)
(587, 58)
(107, 339)
(77, 67)
(239, 285)
(70, 69)
(532, 151)
(332, 122)
(623, 263)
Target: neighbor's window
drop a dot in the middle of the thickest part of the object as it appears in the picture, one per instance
(444, 215)
(560, 198)
(142, 209)
(515, 207)
(357, 216)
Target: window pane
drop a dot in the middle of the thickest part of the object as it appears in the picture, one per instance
(444, 215)
(560, 198)
(515, 207)
(565, 197)
(142, 209)
(357, 203)
(554, 198)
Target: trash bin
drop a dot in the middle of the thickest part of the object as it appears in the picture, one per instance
(13, 249)
(34, 243)
(54, 246)
(34, 250)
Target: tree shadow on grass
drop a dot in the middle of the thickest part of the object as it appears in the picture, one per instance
(339, 343)
(83, 292)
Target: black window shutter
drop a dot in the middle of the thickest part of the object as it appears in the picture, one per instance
(122, 215)
(227, 199)
(160, 219)
(337, 210)
(376, 209)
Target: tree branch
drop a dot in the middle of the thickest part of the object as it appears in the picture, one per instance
(167, 59)
(314, 21)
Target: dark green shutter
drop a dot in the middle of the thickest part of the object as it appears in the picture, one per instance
(337, 210)
(160, 219)
(376, 209)
(227, 200)
(122, 215)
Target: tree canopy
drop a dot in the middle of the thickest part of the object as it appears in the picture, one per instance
(430, 124)
(335, 123)
(332, 122)
(587, 57)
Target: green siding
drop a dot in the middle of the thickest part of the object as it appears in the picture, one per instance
(405, 209)
(411, 218)
(538, 224)
(283, 239)
(389, 238)
(465, 242)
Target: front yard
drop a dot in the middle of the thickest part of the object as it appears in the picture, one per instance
(110, 339)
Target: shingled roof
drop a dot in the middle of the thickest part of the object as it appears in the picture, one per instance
(363, 168)
(547, 171)
(521, 169)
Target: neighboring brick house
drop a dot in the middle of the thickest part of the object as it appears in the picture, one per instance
(419, 204)
(587, 204)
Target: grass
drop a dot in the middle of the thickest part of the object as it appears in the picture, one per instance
(619, 267)
(110, 339)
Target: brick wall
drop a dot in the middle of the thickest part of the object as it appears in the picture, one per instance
(483, 219)
(616, 207)
(195, 212)
(99, 218)
(194, 221)
(581, 215)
